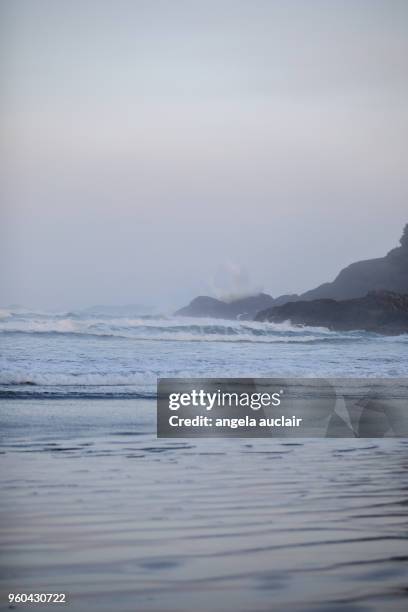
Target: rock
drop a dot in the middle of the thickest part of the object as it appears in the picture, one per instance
(388, 273)
(242, 308)
(287, 297)
(383, 312)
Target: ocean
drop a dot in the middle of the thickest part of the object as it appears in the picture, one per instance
(91, 355)
(95, 506)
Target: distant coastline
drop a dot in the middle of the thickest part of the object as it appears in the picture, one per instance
(369, 295)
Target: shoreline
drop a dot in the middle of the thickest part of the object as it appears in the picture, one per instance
(96, 506)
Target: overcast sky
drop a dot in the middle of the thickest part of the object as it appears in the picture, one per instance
(155, 150)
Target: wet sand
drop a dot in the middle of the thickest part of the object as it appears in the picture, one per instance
(95, 506)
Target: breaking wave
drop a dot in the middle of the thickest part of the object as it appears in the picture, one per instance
(170, 329)
(77, 354)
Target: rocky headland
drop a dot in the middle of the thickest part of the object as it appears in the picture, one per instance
(369, 294)
(382, 312)
(242, 308)
(389, 273)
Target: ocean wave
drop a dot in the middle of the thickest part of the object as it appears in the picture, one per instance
(174, 329)
(212, 337)
(77, 355)
(96, 379)
(75, 393)
(34, 384)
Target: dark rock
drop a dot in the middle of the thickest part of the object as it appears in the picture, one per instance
(389, 273)
(383, 312)
(242, 308)
(287, 297)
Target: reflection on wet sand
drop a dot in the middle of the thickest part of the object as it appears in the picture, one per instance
(95, 506)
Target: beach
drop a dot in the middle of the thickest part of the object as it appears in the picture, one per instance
(95, 506)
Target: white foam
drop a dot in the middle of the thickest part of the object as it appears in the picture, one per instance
(22, 376)
(166, 329)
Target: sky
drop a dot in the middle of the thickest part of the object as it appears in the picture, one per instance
(156, 150)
